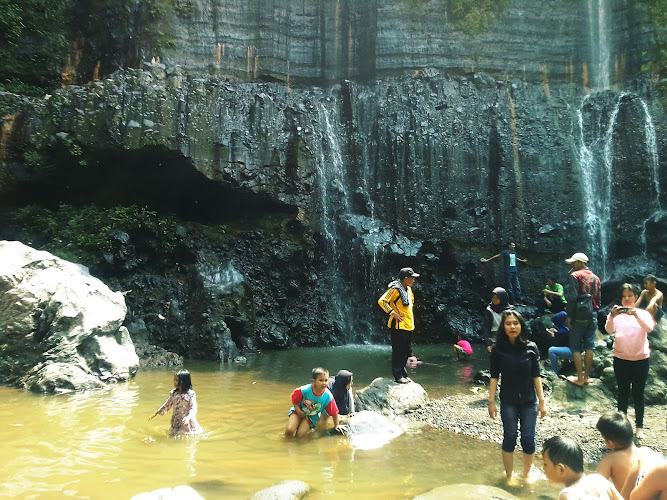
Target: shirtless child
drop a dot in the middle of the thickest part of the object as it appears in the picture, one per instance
(616, 431)
(653, 485)
(564, 463)
(651, 297)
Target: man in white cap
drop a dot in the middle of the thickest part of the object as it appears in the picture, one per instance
(583, 304)
(397, 301)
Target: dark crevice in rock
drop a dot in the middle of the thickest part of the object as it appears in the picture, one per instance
(160, 179)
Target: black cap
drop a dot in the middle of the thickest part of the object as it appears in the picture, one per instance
(407, 272)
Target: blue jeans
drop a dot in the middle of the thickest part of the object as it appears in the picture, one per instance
(513, 287)
(512, 415)
(558, 352)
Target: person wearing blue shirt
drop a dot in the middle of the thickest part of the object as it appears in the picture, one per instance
(512, 284)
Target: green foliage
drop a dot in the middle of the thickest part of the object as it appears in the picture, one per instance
(414, 4)
(124, 32)
(36, 37)
(33, 40)
(33, 158)
(474, 16)
(657, 63)
(22, 88)
(81, 234)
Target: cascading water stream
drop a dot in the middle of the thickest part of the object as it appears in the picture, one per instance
(652, 152)
(600, 49)
(653, 165)
(331, 173)
(597, 188)
(596, 229)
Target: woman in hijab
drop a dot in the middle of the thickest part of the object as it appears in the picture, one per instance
(341, 388)
(499, 303)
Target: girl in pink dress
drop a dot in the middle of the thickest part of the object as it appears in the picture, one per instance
(184, 402)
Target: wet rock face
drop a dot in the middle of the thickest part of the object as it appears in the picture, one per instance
(329, 41)
(434, 167)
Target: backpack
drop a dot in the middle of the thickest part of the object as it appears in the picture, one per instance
(583, 307)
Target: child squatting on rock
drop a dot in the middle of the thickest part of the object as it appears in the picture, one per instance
(309, 402)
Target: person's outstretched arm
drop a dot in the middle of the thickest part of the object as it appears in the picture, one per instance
(490, 258)
(166, 406)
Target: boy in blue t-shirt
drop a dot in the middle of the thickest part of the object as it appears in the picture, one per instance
(309, 402)
(512, 284)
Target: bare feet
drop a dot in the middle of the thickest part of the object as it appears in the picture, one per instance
(532, 476)
(639, 433)
(512, 482)
(576, 381)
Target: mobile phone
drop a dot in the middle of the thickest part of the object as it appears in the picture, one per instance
(624, 310)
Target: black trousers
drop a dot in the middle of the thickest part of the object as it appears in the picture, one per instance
(631, 373)
(400, 352)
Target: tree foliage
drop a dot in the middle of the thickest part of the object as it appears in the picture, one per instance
(470, 16)
(657, 63)
(39, 39)
(474, 16)
(33, 40)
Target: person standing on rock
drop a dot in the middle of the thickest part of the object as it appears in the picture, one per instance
(631, 327)
(398, 302)
(512, 284)
(583, 302)
(516, 360)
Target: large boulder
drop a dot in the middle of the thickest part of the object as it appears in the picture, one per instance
(467, 491)
(390, 398)
(287, 490)
(177, 493)
(60, 328)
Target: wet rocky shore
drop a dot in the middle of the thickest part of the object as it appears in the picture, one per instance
(467, 415)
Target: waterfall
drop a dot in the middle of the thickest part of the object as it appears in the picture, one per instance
(597, 228)
(597, 182)
(331, 176)
(652, 151)
(599, 41)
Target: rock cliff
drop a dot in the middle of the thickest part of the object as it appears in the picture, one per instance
(420, 146)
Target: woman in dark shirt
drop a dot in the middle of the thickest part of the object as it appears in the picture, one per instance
(521, 398)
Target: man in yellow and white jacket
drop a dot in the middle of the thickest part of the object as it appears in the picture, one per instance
(398, 301)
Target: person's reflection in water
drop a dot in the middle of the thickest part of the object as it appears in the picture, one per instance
(465, 374)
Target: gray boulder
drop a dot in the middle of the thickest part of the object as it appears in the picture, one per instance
(287, 490)
(466, 491)
(60, 328)
(177, 493)
(390, 398)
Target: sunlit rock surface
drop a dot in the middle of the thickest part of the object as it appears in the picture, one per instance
(60, 328)
(390, 398)
(287, 490)
(466, 491)
(177, 493)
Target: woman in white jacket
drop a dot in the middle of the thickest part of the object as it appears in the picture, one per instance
(631, 327)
